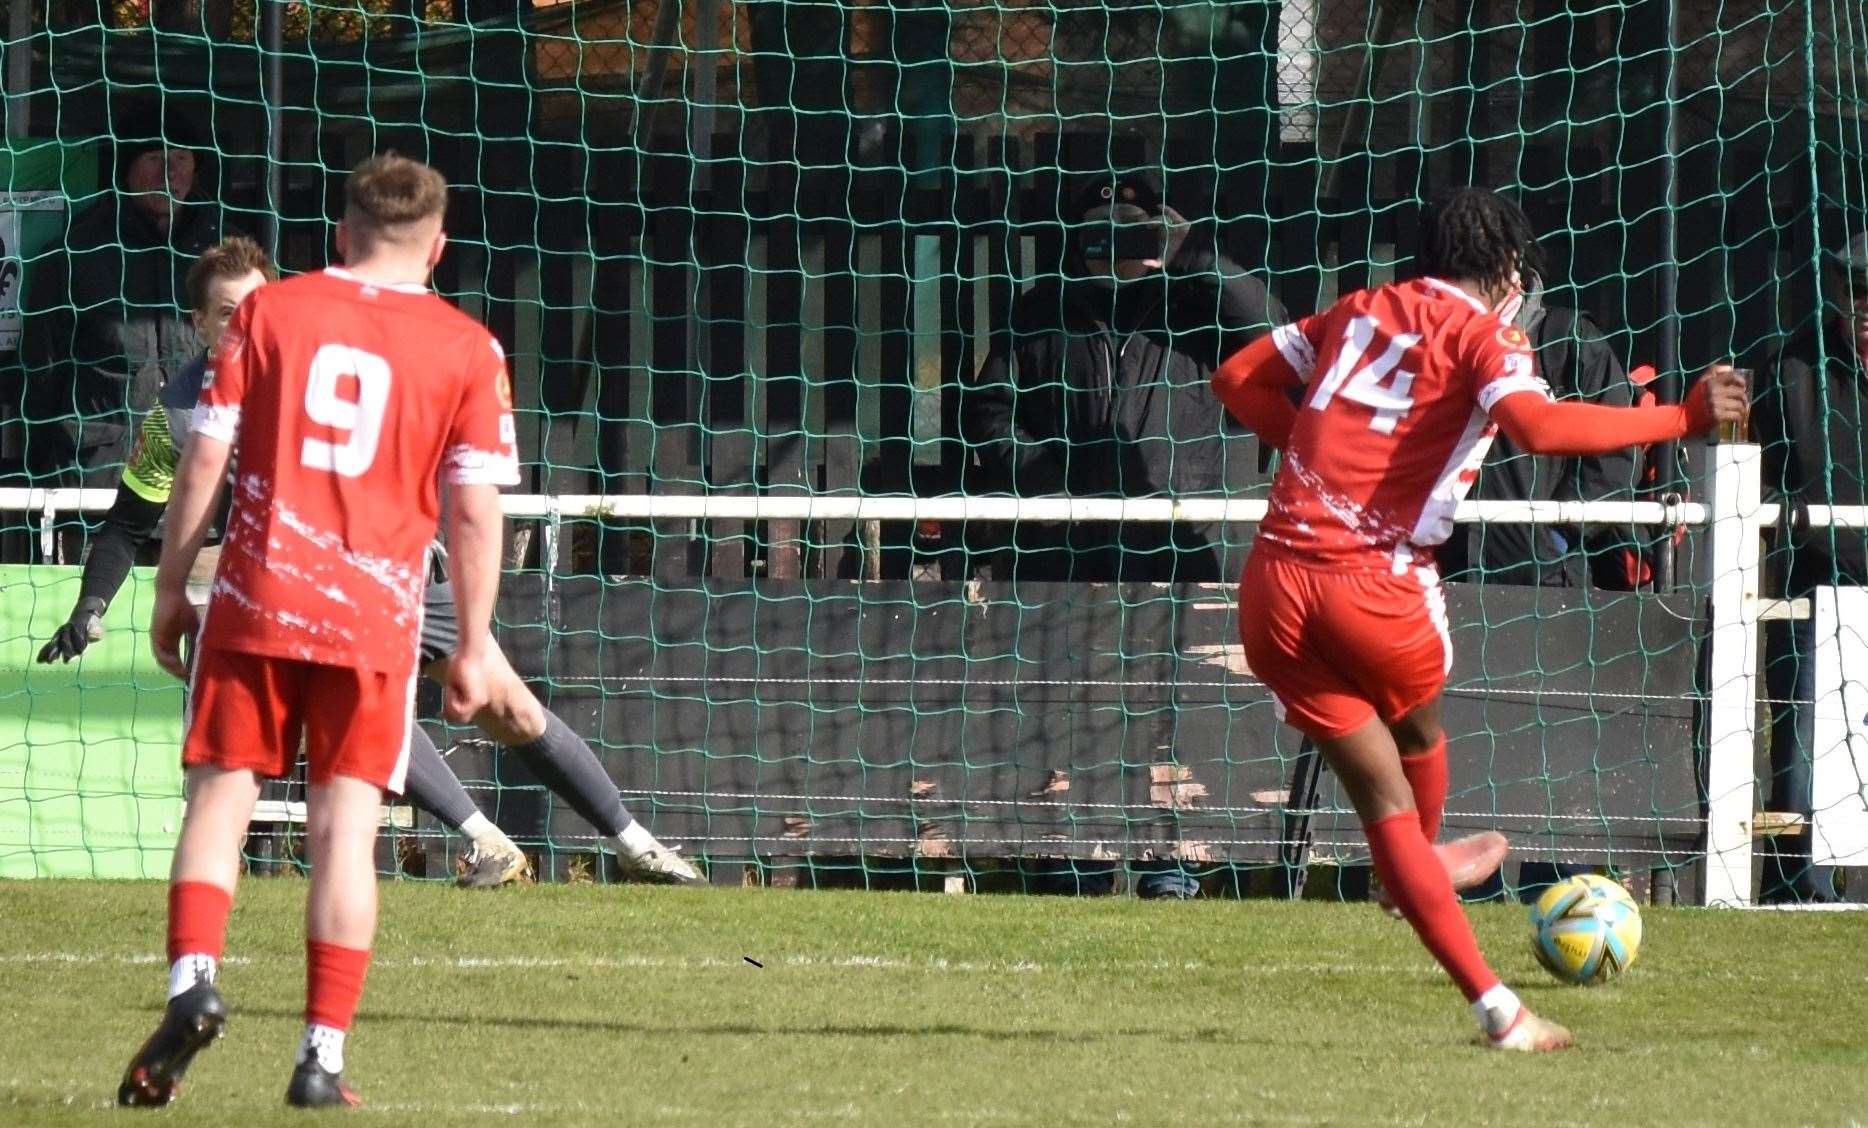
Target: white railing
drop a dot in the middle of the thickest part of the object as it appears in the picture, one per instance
(1734, 513)
(49, 503)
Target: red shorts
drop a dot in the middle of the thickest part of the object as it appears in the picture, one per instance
(1339, 647)
(252, 711)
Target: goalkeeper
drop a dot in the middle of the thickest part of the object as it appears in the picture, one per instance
(224, 275)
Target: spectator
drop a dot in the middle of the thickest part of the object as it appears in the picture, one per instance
(1098, 386)
(1574, 359)
(104, 326)
(1810, 420)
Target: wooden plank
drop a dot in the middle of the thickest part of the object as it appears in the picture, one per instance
(842, 446)
(895, 394)
(811, 351)
(673, 398)
(268, 812)
(565, 385)
(1771, 824)
(869, 343)
(729, 438)
(783, 382)
(613, 288)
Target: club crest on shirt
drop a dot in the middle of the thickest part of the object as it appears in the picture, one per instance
(1513, 337)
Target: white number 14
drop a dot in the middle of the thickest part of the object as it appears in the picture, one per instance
(1349, 378)
(362, 417)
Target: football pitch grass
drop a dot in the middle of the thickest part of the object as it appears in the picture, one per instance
(629, 1005)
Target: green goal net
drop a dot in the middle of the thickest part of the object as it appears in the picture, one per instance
(811, 346)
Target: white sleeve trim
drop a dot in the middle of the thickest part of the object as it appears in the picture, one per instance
(1296, 349)
(466, 465)
(1511, 385)
(218, 421)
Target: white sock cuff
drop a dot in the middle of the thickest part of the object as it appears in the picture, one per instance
(191, 969)
(1497, 1009)
(476, 825)
(326, 1043)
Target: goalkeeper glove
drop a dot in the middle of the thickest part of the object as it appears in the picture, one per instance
(85, 627)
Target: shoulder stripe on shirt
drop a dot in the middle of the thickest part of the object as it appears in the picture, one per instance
(1296, 349)
(218, 421)
(1498, 389)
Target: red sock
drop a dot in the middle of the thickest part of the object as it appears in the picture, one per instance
(1417, 883)
(197, 919)
(333, 983)
(1426, 774)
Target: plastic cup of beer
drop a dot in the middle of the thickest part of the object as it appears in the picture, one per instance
(1738, 430)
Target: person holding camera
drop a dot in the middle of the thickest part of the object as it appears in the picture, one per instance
(1097, 387)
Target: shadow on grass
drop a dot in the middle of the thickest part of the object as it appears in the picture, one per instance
(1204, 1036)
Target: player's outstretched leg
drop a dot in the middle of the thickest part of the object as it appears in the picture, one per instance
(1422, 745)
(492, 858)
(1368, 764)
(564, 763)
(201, 884)
(340, 925)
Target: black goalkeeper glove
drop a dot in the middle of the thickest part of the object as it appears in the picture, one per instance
(85, 627)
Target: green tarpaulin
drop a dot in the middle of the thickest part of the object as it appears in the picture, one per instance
(90, 775)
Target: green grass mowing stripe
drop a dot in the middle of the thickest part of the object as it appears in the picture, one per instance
(630, 1005)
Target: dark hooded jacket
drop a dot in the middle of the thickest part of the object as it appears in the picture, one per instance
(1574, 359)
(105, 325)
(1095, 390)
(1811, 418)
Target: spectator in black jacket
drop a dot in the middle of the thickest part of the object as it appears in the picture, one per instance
(1811, 421)
(105, 327)
(1098, 387)
(1574, 359)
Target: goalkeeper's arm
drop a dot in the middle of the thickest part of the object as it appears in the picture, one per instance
(142, 495)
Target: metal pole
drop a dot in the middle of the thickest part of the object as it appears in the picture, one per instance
(1668, 350)
(19, 68)
(272, 33)
(1300, 804)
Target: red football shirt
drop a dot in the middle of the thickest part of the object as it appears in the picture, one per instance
(1392, 427)
(347, 403)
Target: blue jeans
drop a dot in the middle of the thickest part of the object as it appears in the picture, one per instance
(1790, 682)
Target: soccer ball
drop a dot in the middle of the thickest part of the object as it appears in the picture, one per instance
(1585, 930)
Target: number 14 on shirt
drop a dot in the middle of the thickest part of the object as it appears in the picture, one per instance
(1370, 383)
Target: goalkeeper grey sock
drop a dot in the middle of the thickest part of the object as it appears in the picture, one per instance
(564, 763)
(433, 786)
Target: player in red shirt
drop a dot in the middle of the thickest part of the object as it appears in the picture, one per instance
(351, 395)
(1383, 406)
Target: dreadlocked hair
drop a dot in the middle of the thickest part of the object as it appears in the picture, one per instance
(1473, 233)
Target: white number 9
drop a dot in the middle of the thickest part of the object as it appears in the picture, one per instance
(363, 417)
